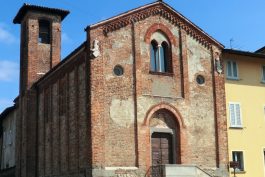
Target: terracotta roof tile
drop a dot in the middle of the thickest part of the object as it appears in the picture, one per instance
(27, 7)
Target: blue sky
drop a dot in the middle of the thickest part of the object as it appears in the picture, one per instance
(240, 20)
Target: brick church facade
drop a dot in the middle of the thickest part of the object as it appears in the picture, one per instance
(145, 89)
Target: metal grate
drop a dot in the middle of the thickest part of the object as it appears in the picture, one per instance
(157, 171)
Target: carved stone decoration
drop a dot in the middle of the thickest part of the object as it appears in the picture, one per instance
(95, 52)
(218, 65)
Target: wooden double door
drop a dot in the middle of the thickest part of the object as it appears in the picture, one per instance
(162, 148)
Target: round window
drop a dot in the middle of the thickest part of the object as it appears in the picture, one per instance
(200, 79)
(118, 70)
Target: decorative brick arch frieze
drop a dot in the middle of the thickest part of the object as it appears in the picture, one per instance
(168, 107)
(162, 28)
(162, 10)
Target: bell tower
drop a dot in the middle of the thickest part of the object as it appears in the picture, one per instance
(40, 49)
(40, 45)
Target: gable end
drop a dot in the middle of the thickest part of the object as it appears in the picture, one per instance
(165, 11)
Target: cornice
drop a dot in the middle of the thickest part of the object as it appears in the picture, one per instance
(164, 11)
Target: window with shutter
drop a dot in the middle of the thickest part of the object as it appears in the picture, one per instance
(231, 70)
(235, 115)
(263, 74)
(238, 157)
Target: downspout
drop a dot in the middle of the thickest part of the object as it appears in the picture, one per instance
(135, 95)
(181, 64)
(215, 110)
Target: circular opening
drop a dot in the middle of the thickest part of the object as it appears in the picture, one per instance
(200, 79)
(118, 70)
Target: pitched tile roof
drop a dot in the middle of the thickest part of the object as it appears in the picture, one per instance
(245, 53)
(6, 112)
(27, 7)
(261, 50)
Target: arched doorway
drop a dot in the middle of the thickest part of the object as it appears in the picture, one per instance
(165, 138)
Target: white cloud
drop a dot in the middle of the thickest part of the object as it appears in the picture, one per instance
(65, 38)
(9, 71)
(6, 36)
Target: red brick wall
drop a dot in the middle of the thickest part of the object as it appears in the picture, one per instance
(114, 137)
(106, 118)
(62, 140)
(220, 110)
(36, 57)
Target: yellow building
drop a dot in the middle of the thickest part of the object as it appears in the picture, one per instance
(245, 99)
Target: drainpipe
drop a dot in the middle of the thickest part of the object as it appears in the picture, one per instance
(135, 95)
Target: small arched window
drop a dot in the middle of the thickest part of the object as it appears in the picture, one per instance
(154, 55)
(160, 53)
(44, 32)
